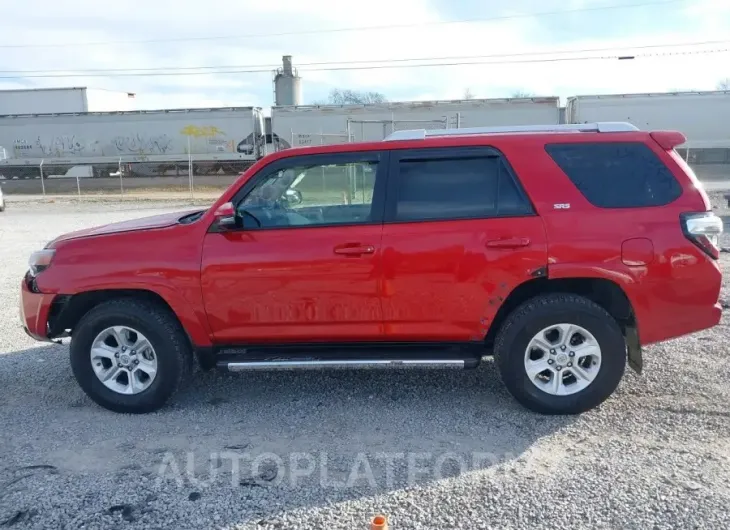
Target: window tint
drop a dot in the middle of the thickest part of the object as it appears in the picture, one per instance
(617, 175)
(454, 188)
(311, 196)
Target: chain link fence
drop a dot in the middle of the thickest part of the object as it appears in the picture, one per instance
(186, 179)
(201, 179)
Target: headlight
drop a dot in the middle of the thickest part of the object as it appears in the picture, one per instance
(40, 260)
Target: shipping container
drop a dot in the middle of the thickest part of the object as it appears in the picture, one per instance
(43, 100)
(329, 124)
(148, 143)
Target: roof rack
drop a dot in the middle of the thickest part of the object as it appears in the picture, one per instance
(421, 134)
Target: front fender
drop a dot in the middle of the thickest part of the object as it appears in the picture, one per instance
(190, 313)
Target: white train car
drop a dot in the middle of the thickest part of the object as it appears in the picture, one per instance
(43, 100)
(294, 126)
(147, 143)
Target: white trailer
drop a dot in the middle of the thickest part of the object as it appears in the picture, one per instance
(329, 124)
(146, 143)
(43, 100)
(703, 117)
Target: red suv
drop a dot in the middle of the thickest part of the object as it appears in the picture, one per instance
(559, 250)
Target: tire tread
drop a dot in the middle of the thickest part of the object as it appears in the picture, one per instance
(165, 323)
(544, 305)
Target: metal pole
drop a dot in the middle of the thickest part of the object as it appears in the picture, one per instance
(292, 138)
(458, 120)
(78, 186)
(43, 184)
(190, 169)
(686, 156)
(121, 182)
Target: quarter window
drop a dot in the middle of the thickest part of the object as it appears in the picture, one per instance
(617, 174)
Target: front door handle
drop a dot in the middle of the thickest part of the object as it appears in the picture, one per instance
(354, 250)
(512, 242)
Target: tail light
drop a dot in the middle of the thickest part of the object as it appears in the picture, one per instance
(704, 230)
(40, 260)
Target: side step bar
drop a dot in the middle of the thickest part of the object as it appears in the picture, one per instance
(238, 358)
(239, 366)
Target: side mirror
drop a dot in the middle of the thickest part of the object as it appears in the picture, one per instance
(225, 215)
(293, 196)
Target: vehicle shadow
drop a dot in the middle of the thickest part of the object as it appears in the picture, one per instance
(261, 439)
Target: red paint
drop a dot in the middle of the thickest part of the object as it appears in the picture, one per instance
(440, 276)
(433, 280)
(34, 310)
(668, 139)
(293, 284)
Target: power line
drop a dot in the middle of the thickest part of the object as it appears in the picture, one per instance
(366, 61)
(348, 29)
(163, 69)
(386, 66)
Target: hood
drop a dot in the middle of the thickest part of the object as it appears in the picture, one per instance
(143, 223)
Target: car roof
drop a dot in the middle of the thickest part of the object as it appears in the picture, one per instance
(462, 139)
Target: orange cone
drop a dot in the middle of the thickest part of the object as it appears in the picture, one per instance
(379, 522)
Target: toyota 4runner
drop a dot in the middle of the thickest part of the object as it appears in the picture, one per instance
(558, 250)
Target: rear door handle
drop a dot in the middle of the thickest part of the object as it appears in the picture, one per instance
(507, 243)
(354, 250)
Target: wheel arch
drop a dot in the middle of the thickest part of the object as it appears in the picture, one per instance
(605, 292)
(67, 310)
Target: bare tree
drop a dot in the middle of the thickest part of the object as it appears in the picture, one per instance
(522, 94)
(724, 84)
(354, 97)
(468, 94)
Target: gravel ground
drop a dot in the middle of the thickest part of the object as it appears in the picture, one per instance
(431, 449)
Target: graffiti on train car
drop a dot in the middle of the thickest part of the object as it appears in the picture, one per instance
(205, 131)
(143, 145)
(61, 145)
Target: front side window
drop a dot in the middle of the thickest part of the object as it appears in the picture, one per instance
(312, 195)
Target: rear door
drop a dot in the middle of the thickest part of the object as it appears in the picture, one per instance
(459, 235)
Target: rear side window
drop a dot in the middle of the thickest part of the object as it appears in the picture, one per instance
(459, 187)
(617, 175)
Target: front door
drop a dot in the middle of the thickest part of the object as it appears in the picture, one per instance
(459, 235)
(306, 265)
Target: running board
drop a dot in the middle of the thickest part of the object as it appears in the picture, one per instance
(360, 363)
(348, 355)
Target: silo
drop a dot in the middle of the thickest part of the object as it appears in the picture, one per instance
(287, 85)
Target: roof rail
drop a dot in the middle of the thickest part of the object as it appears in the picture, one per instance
(421, 134)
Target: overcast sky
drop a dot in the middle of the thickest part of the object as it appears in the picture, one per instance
(44, 35)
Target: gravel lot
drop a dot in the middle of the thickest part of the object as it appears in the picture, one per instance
(431, 449)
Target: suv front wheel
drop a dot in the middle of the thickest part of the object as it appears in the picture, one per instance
(130, 355)
(560, 354)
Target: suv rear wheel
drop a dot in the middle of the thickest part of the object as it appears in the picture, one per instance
(130, 355)
(560, 354)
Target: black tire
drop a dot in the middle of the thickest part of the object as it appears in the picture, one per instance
(543, 311)
(162, 329)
